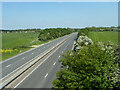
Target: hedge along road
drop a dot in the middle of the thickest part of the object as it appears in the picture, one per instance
(42, 74)
(12, 64)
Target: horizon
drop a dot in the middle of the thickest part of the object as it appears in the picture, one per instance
(24, 15)
(56, 27)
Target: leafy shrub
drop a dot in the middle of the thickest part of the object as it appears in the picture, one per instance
(83, 32)
(90, 67)
(53, 33)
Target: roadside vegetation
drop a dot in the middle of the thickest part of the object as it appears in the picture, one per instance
(53, 33)
(94, 62)
(18, 41)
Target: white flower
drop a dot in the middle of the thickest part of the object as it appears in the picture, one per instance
(86, 43)
(109, 47)
(103, 48)
(84, 40)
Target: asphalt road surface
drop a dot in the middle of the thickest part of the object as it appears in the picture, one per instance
(8, 66)
(43, 75)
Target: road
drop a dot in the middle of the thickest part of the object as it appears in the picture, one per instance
(12, 64)
(43, 75)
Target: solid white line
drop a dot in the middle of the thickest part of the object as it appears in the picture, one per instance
(29, 50)
(8, 65)
(21, 65)
(16, 69)
(54, 63)
(28, 75)
(36, 67)
(62, 51)
(20, 54)
(46, 75)
(73, 45)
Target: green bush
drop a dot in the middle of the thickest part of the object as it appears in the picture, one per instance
(53, 33)
(90, 67)
(83, 31)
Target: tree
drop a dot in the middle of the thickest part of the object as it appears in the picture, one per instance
(90, 67)
(52, 33)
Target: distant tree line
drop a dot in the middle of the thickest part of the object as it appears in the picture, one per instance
(20, 30)
(93, 28)
(103, 28)
(52, 33)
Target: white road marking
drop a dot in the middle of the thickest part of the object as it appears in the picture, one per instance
(21, 54)
(46, 75)
(44, 47)
(32, 53)
(54, 63)
(23, 58)
(28, 51)
(36, 68)
(73, 45)
(8, 65)
(62, 51)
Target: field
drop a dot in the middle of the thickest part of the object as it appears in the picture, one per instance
(104, 36)
(15, 43)
(12, 40)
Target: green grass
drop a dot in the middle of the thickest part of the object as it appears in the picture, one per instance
(16, 40)
(12, 40)
(8, 55)
(104, 36)
(22, 41)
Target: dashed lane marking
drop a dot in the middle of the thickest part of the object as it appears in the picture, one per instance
(8, 65)
(46, 75)
(54, 63)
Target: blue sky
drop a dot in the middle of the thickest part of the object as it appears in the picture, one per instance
(22, 15)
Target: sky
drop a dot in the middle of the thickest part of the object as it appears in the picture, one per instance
(23, 15)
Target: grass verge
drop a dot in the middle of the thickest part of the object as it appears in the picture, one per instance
(19, 41)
